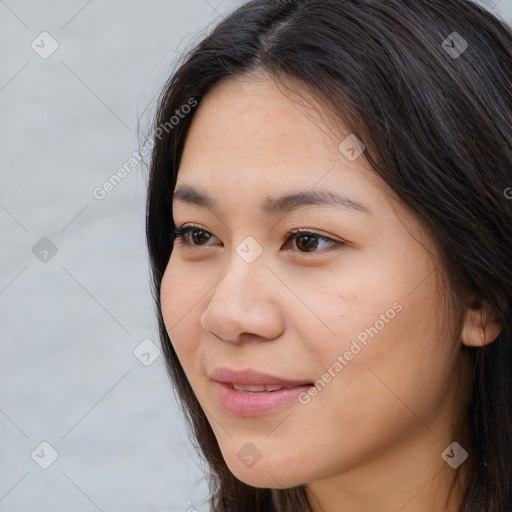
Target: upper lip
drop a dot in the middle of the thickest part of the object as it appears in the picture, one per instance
(252, 378)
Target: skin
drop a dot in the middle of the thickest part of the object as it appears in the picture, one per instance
(372, 438)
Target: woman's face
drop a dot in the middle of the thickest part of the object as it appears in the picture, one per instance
(361, 313)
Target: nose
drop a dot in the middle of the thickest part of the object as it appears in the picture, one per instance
(245, 304)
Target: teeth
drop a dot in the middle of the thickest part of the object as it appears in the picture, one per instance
(256, 389)
(273, 388)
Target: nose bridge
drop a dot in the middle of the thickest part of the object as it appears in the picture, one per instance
(242, 301)
(247, 272)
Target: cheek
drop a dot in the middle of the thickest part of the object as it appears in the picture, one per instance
(389, 321)
(345, 306)
(179, 298)
(395, 346)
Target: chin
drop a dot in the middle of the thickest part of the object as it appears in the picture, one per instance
(263, 475)
(264, 481)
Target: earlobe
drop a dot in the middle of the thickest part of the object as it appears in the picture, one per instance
(481, 325)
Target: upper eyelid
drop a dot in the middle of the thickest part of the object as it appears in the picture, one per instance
(290, 234)
(294, 231)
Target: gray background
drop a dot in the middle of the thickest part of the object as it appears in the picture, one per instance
(70, 321)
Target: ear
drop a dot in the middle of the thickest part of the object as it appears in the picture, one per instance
(481, 325)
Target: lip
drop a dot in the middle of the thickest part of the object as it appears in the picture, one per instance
(244, 405)
(252, 378)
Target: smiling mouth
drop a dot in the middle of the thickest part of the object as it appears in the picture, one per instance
(245, 394)
(252, 401)
(253, 381)
(258, 389)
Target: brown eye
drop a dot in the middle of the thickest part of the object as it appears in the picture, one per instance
(199, 236)
(191, 235)
(306, 242)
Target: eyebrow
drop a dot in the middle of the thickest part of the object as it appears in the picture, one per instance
(273, 205)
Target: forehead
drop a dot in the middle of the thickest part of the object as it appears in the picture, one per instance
(255, 117)
(250, 143)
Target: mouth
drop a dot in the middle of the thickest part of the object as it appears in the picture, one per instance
(257, 389)
(251, 379)
(250, 393)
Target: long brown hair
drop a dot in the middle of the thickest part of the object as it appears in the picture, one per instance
(434, 110)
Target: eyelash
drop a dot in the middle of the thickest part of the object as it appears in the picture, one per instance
(181, 232)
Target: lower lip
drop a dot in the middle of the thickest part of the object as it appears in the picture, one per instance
(245, 405)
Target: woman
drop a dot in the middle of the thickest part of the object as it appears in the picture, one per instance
(330, 240)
